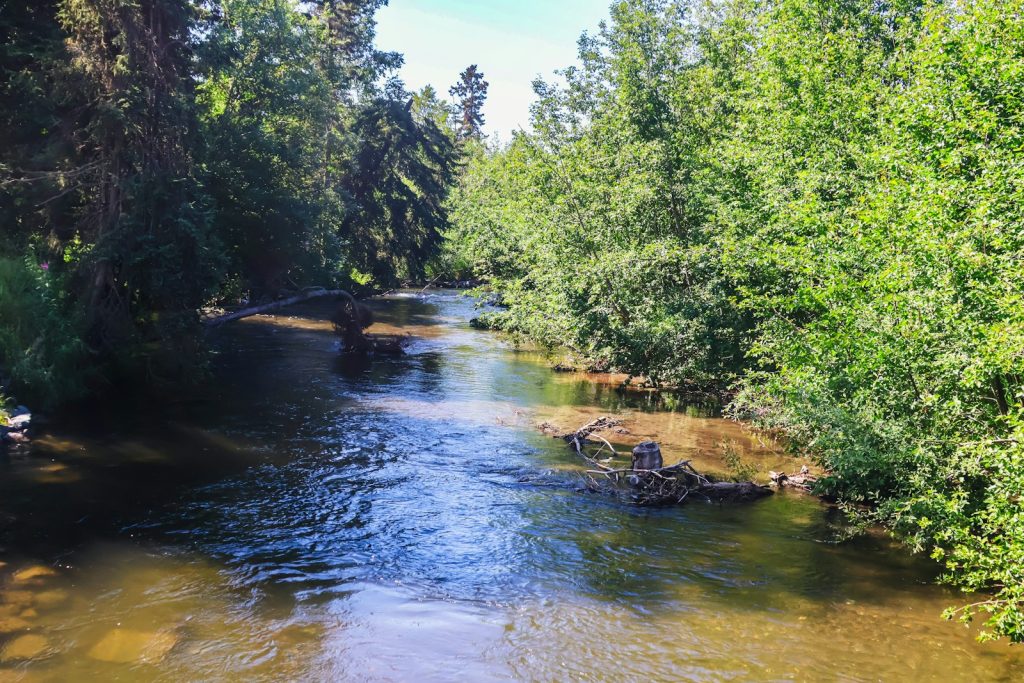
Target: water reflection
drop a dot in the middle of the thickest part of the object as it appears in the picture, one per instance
(327, 518)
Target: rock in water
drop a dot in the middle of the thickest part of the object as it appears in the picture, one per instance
(51, 598)
(125, 646)
(13, 624)
(26, 647)
(19, 422)
(34, 572)
(647, 456)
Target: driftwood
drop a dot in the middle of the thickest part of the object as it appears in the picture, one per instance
(658, 486)
(647, 456)
(804, 481)
(275, 305)
(350, 320)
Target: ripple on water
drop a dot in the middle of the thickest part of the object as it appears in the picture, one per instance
(401, 519)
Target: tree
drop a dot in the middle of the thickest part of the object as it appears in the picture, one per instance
(471, 92)
(396, 190)
(272, 128)
(152, 260)
(160, 155)
(428, 106)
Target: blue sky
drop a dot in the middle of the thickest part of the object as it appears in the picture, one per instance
(512, 41)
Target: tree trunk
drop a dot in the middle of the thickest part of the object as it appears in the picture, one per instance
(275, 305)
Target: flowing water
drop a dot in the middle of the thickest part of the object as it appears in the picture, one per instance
(403, 519)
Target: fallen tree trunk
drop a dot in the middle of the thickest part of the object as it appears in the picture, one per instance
(669, 485)
(349, 321)
(275, 305)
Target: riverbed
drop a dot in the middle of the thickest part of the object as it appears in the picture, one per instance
(319, 518)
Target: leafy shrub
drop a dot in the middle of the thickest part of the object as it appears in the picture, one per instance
(41, 352)
(818, 204)
(740, 469)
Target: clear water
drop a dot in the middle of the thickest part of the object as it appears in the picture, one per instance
(319, 519)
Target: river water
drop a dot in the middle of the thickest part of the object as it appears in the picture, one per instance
(314, 518)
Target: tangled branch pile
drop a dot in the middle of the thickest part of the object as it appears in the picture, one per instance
(646, 482)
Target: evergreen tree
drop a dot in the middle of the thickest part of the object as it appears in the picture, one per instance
(471, 93)
(127, 80)
(159, 155)
(396, 188)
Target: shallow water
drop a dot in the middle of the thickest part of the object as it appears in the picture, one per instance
(314, 518)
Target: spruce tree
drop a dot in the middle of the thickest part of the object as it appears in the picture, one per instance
(471, 92)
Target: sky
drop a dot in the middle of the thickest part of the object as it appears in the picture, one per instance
(512, 41)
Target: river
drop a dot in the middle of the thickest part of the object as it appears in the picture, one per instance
(314, 518)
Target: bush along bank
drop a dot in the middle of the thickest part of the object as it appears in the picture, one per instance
(816, 205)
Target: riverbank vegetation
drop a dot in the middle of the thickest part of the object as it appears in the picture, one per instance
(814, 205)
(162, 156)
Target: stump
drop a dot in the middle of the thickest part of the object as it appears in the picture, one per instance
(648, 482)
(350, 320)
(647, 456)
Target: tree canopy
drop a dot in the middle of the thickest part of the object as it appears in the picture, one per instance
(159, 156)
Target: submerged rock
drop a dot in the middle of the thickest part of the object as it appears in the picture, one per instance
(15, 437)
(19, 422)
(51, 598)
(34, 572)
(18, 599)
(16, 429)
(13, 624)
(25, 647)
(125, 646)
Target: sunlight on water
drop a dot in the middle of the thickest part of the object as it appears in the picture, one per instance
(312, 517)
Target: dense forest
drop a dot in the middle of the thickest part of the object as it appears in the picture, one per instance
(814, 208)
(163, 155)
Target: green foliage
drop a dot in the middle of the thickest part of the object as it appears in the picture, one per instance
(591, 226)
(396, 189)
(309, 181)
(470, 93)
(162, 154)
(816, 203)
(740, 469)
(265, 104)
(41, 354)
(892, 353)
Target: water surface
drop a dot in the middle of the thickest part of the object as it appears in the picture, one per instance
(311, 517)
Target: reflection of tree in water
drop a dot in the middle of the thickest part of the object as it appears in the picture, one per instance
(766, 556)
